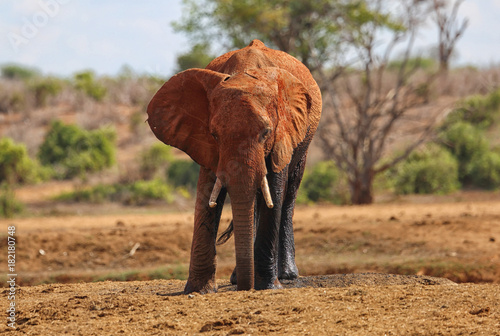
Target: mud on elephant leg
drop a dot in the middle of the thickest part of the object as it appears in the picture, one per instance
(267, 238)
(203, 251)
(287, 268)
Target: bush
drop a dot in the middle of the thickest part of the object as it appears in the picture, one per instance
(478, 110)
(14, 71)
(183, 173)
(85, 82)
(73, 151)
(323, 183)
(143, 191)
(12, 98)
(431, 170)
(44, 88)
(465, 142)
(9, 206)
(485, 170)
(427, 64)
(157, 157)
(137, 193)
(16, 166)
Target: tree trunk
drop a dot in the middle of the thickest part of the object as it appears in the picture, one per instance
(362, 188)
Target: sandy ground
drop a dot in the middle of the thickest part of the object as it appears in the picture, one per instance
(458, 241)
(154, 308)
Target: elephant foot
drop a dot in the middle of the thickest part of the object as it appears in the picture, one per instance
(288, 272)
(202, 287)
(261, 284)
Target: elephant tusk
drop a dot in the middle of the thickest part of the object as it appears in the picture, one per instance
(215, 193)
(266, 193)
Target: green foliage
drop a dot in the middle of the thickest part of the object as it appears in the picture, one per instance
(413, 63)
(299, 27)
(463, 132)
(136, 193)
(466, 143)
(157, 157)
(16, 166)
(44, 88)
(14, 71)
(143, 191)
(431, 170)
(73, 151)
(85, 82)
(481, 111)
(9, 206)
(484, 170)
(322, 183)
(198, 57)
(183, 173)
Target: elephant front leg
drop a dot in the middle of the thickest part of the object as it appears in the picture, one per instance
(203, 261)
(267, 237)
(287, 268)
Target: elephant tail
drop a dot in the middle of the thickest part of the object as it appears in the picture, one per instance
(224, 237)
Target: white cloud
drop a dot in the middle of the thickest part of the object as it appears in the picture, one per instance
(25, 7)
(471, 11)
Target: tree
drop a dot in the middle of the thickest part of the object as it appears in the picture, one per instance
(366, 101)
(198, 57)
(347, 45)
(306, 29)
(450, 29)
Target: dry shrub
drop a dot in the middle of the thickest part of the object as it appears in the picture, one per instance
(467, 81)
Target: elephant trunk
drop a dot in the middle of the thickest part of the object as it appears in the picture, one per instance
(242, 191)
(243, 225)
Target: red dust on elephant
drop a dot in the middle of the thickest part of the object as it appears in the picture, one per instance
(247, 119)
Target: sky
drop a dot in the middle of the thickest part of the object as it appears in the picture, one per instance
(61, 37)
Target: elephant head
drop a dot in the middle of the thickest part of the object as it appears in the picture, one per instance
(237, 126)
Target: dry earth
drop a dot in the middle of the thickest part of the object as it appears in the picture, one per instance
(459, 241)
(154, 308)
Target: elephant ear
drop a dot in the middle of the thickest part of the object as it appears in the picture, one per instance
(294, 104)
(178, 114)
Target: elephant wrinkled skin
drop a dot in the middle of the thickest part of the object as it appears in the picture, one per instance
(247, 119)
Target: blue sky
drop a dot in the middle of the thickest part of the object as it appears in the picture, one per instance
(63, 36)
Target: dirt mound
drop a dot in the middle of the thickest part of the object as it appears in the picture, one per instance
(367, 306)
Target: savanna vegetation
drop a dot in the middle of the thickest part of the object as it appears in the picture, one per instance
(402, 123)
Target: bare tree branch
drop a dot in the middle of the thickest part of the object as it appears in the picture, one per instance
(368, 101)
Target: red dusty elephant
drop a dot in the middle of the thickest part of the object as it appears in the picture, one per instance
(247, 119)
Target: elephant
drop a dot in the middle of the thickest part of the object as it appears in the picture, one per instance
(247, 119)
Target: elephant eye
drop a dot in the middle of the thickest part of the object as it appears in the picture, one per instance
(265, 134)
(215, 137)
